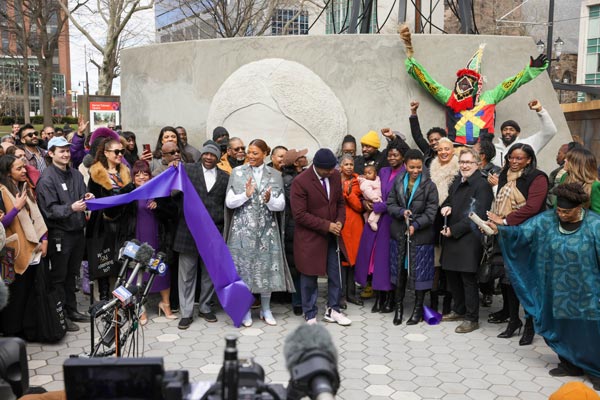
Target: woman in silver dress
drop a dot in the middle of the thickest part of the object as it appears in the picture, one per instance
(254, 235)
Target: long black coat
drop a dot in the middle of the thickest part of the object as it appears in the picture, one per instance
(213, 200)
(463, 250)
(424, 206)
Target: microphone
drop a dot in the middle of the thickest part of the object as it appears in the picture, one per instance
(122, 294)
(3, 293)
(157, 265)
(143, 256)
(311, 359)
(127, 254)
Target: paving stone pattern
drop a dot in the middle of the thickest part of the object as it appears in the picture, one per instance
(377, 360)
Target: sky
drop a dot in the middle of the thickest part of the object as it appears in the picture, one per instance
(143, 22)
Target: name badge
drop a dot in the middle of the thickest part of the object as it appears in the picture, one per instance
(64, 186)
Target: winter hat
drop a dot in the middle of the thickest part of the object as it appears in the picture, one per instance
(512, 123)
(371, 139)
(219, 132)
(212, 149)
(324, 158)
(574, 391)
(104, 133)
(292, 155)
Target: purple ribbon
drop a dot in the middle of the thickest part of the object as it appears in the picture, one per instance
(233, 293)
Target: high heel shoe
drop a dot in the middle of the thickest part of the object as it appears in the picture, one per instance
(528, 333)
(165, 309)
(511, 328)
(143, 319)
(498, 317)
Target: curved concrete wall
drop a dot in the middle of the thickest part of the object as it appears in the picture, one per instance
(317, 89)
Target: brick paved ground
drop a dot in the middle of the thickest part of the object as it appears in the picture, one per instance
(377, 360)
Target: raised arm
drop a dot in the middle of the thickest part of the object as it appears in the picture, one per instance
(419, 74)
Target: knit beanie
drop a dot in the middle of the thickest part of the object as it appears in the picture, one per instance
(212, 149)
(371, 139)
(512, 123)
(324, 158)
(218, 132)
(104, 133)
(574, 391)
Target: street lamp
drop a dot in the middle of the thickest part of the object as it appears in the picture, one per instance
(557, 47)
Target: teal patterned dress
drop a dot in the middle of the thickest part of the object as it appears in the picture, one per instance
(556, 275)
(254, 234)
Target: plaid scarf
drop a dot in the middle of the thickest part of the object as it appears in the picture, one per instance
(509, 198)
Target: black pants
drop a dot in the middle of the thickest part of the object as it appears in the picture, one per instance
(65, 251)
(13, 315)
(465, 293)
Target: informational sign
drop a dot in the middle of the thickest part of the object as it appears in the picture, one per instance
(104, 113)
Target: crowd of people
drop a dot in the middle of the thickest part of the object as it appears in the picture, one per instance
(379, 224)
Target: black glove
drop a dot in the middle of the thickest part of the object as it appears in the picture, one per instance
(539, 62)
(130, 187)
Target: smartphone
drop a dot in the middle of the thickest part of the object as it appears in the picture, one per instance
(147, 148)
(24, 187)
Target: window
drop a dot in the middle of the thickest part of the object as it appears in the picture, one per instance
(289, 22)
(5, 42)
(338, 16)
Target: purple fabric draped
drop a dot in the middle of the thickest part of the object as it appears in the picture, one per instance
(234, 295)
(378, 242)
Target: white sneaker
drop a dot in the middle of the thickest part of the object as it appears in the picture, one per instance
(312, 321)
(333, 316)
(267, 316)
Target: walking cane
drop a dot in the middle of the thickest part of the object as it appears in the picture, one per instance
(337, 244)
(407, 220)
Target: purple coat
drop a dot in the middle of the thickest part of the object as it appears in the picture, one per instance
(377, 243)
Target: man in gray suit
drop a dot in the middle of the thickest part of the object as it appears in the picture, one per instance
(211, 184)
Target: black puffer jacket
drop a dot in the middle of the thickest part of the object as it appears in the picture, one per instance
(424, 207)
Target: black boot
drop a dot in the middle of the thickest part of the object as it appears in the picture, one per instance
(447, 304)
(513, 325)
(400, 291)
(528, 332)
(383, 295)
(417, 314)
(351, 296)
(390, 300)
(434, 300)
(376, 306)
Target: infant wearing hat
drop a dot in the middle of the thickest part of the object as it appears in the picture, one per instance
(370, 186)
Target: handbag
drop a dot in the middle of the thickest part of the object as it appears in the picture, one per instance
(492, 263)
(7, 265)
(101, 253)
(44, 320)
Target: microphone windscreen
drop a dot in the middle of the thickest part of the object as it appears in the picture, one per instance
(306, 338)
(3, 294)
(144, 254)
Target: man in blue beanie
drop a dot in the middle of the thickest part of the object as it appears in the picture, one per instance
(319, 212)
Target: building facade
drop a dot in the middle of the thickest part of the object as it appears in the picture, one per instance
(13, 80)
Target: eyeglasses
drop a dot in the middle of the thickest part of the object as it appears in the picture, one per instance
(32, 134)
(518, 159)
(171, 153)
(118, 152)
(566, 211)
(467, 162)
(238, 149)
(50, 133)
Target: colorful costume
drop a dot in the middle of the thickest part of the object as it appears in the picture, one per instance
(556, 275)
(470, 113)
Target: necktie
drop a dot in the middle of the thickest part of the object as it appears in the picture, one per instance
(324, 186)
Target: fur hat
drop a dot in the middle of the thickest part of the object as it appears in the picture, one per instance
(105, 133)
(371, 139)
(324, 158)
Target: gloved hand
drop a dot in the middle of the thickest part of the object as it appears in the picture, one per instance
(539, 62)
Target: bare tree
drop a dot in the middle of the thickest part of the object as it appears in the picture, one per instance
(112, 18)
(18, 27)
(224, 19)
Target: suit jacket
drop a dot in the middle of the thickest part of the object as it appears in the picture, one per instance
(313, 212)
(213, 200)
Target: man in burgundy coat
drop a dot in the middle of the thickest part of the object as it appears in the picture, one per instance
(319, 212)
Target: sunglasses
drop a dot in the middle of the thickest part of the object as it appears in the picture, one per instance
(118, 152)
(241, 148)
(171, 153)
(31, 134)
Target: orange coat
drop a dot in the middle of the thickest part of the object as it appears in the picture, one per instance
(354, 220)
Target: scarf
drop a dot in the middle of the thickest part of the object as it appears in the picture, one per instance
(509, 198)
(443, 176)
